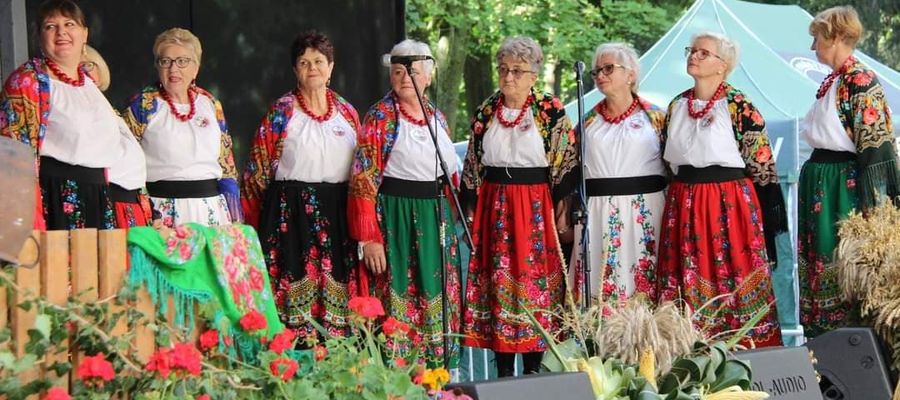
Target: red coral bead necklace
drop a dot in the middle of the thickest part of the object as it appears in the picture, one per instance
(522, 111)
(62, 75)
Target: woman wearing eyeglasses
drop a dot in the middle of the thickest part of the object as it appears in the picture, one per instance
(50, 104)
(294, 192)
(191, 175)
(519, 171)
(392, 209)
(128, 175)
(724, 206)
(625, 177)
(852, 163)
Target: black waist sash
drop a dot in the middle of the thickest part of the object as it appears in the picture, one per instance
(119, 194)
(521, 176)
(51, 167)
(183, 189)
(404, 188)
(625, 186)
(711, 174)
(824, 156)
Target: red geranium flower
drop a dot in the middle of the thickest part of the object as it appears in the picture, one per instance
(57, 393)
(253, 321)
(209, 340)
(282, 341)
(203, 397)
(393, 327)
(283, 368)
(160, 362)
(366, 306)
(186, 357)
(96, 370)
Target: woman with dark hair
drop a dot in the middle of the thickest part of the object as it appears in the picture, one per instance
(191, 175)
(295, 192)
(51, 104)
(853, 163)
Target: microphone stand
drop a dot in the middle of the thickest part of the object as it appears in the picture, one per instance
(581, 214)
(454, 193)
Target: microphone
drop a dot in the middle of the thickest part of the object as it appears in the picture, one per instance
(408, 60)
(579, 69)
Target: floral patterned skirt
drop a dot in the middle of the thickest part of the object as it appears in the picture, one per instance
(623, 240)
(827, 195)
(309, 253)
(131, 208)
(411, 288)
(74, 197)
(207, 211)
(517, 268)
(712, 244)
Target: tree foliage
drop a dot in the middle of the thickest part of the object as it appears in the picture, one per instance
(466, 34)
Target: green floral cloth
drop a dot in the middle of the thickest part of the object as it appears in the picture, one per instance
(200, 264)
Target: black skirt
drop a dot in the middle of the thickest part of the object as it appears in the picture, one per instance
(307, 246)
(74, 197)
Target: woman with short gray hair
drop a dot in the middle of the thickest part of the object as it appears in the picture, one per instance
(724, 206)
(519, 172)
(392, 208)
(625, 181)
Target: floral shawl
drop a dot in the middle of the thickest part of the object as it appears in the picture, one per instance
(753, 142)
(863, 110)
(373, 150)
(144, 105)
(265, 152)
(559, 144)
(24, 109)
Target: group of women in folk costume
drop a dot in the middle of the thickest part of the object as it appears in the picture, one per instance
(683, 204)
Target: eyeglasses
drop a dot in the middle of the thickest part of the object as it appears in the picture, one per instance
(606, 70)
(702, 54)
(88, 65)
(180, 62)
(516, 73)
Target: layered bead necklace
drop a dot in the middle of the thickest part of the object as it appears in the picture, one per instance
(192, 95)
(709, 105)
(62, 75)
(329, 98)
(522, 112)
(602, 109)
(411, 119)
(829, 80)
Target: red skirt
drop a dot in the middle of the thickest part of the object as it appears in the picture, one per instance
(131, 208)
(712, 245)
(517, 268)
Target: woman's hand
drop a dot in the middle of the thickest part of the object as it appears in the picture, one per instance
(563, 224)
(373, 256)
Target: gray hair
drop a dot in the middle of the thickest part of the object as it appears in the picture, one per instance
(524, 48)
(410, 47)
(725, 47)
(624, 54)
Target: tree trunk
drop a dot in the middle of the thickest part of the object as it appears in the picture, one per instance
(451, 57)
(479, 81)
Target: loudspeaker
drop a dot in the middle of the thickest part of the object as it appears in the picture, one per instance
(851, 365)
(782, 372)
(551, 385)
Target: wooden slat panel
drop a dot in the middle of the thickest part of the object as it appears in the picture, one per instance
(55, 283)
(144, 337)
(29, 282)
(83, 247)
(112, 266)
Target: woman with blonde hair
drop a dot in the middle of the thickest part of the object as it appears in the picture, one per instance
(724, 206)
(852, 166)
(191, 175)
